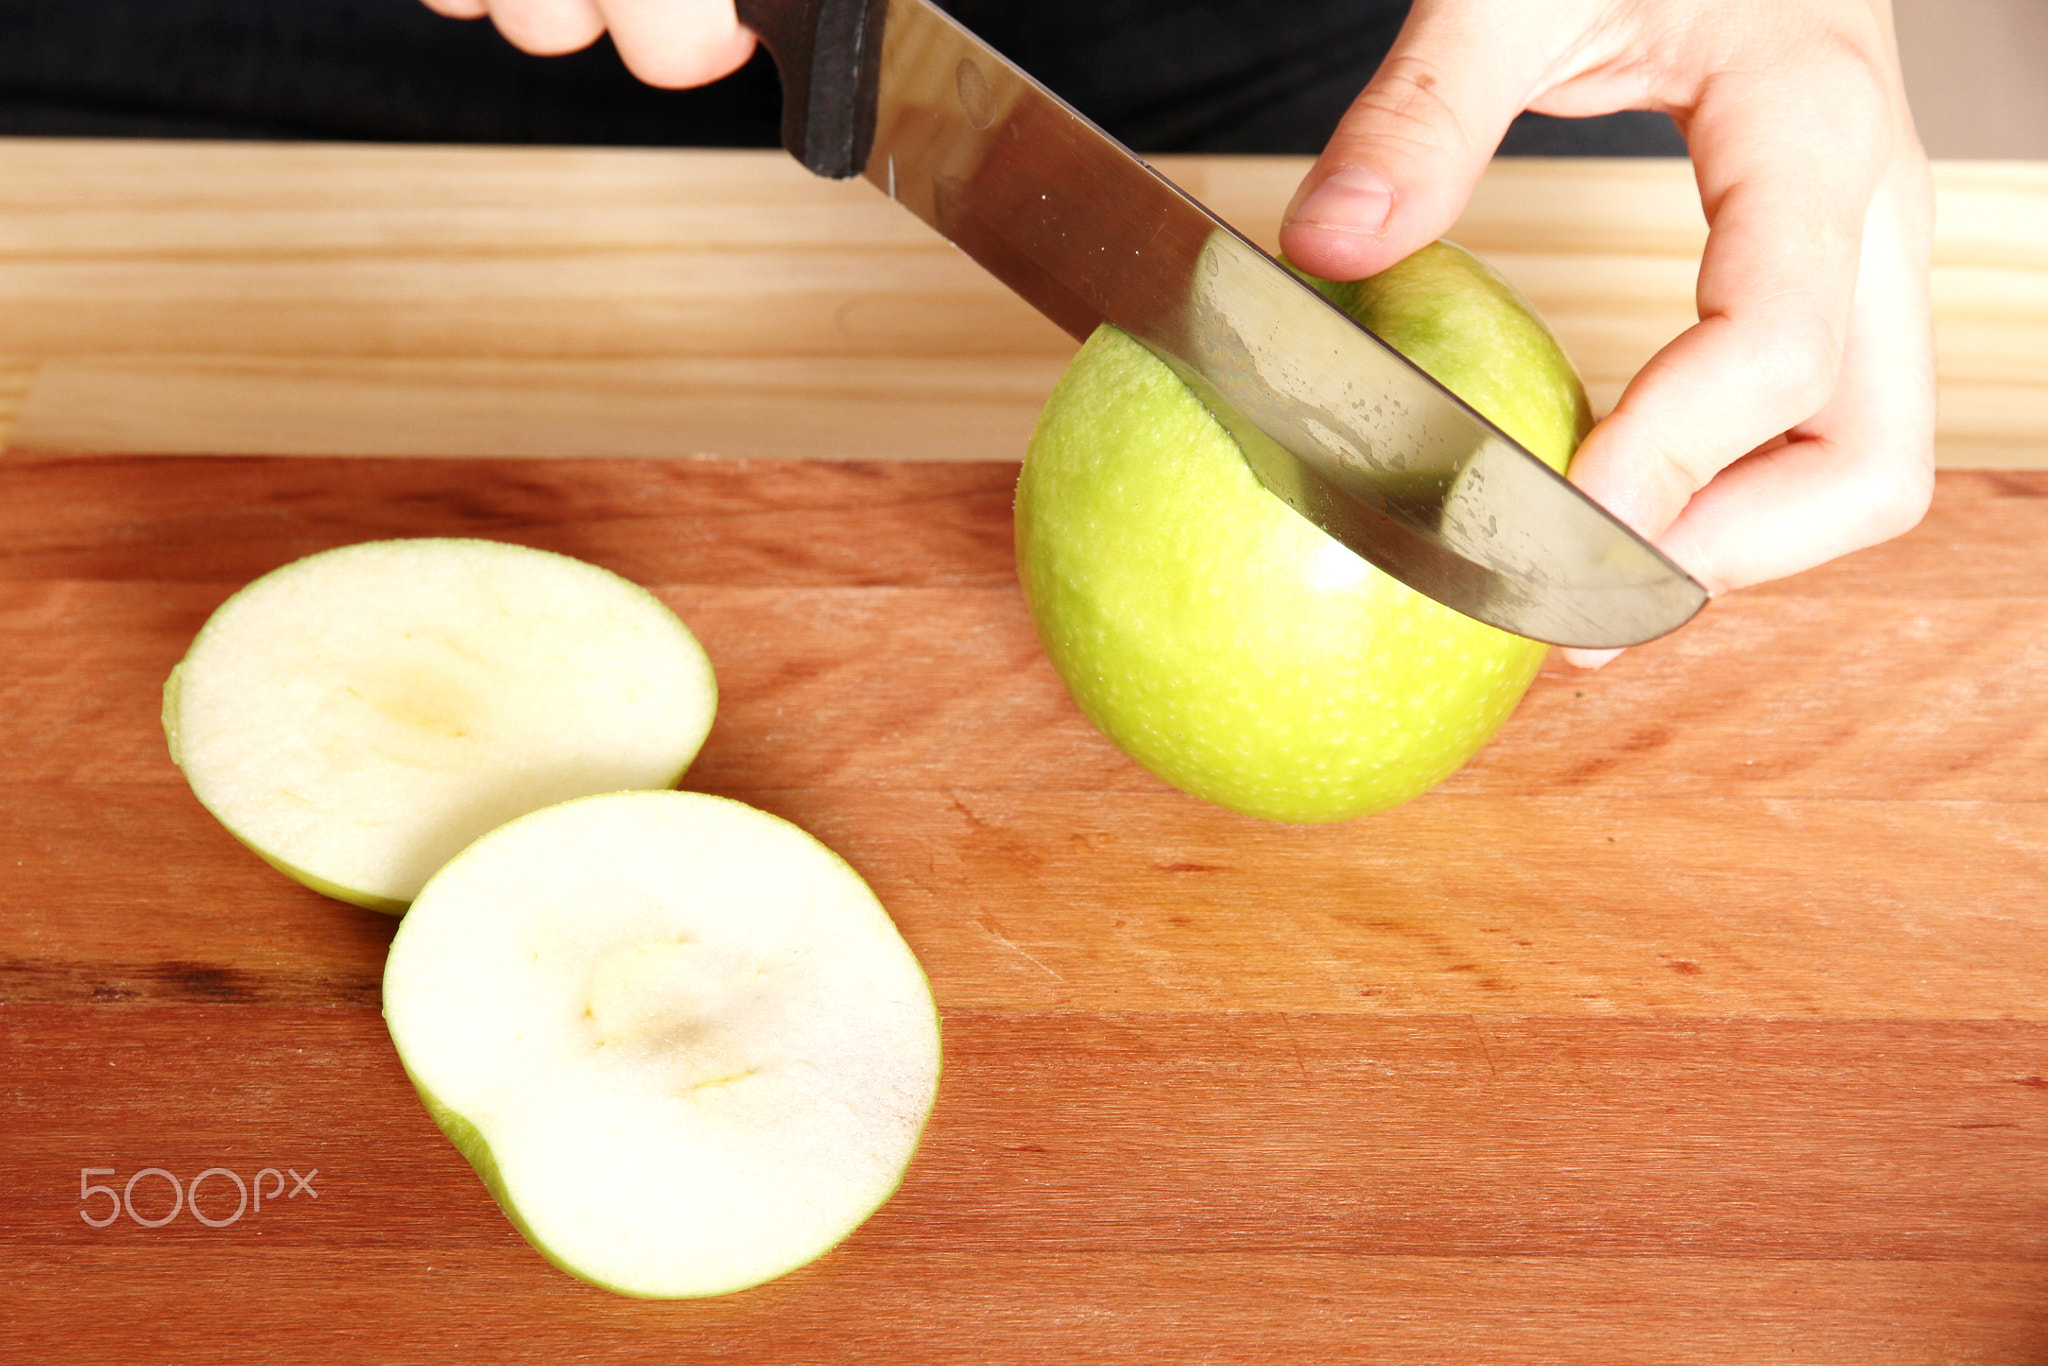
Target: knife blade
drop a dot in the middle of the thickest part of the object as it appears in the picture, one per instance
(1333, 421)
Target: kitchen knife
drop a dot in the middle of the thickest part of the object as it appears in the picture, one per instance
(1333, 421)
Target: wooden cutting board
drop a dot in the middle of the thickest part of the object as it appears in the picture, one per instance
(1703, 1017)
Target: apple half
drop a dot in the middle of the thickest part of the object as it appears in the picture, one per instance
(359, 716)
(1221, 640)
(680, 1039)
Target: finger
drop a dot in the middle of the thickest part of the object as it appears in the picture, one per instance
(1403, 160)
(459, 9)
(547, 28)
(1776, 283)
(678, 43)
(1862, 469)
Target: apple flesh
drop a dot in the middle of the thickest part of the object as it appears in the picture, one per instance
(1223, 641)
(360, 715)
(680, 1040)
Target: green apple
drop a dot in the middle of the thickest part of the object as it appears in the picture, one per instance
(359, 716)
(680, 1040)
(1220, 639)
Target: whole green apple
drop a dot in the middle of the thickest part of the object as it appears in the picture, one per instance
(1223, 641)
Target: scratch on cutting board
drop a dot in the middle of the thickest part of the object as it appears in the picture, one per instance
(1484, 1051)
(1294, 1045)
(977, 822)
(988, 922)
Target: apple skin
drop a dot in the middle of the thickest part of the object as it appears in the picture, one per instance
(1224, 642)
(469, 1140)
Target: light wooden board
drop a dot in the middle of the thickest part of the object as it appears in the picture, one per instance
(260, 299)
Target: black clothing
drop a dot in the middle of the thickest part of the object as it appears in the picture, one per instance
(1161, 75)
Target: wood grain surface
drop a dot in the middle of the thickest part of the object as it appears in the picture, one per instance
(334, 300)
(1703, 1018)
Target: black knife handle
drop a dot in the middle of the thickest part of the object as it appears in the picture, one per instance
(829, 53)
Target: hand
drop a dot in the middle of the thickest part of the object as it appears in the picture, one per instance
(669, 43)
(1795, 422)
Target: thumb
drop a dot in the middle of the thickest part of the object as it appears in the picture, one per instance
(1404, 158)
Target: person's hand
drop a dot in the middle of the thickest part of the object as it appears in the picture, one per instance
(1795, 422)
(669, 43)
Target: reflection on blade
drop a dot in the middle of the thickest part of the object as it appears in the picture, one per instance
(1337, 424)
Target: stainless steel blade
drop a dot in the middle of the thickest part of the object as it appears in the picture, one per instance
(1334, 421)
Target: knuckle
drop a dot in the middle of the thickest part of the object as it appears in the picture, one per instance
(673, 59)
(1405, 103)
(551, 36)
(1844, 87)
(1897, 492)
(663, 68)
(1681, 471)
(1794, 363)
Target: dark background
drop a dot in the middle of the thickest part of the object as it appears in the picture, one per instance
(1269, 76)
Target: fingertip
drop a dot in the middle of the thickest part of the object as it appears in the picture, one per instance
(1334, 254)
(1642, 464)
(682, 67)
(1351, 223)
(677, 44)
(547, 28)
(1589, 659)
(1336, 228)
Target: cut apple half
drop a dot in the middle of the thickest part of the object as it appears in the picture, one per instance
(357, 717)
(680, 1039)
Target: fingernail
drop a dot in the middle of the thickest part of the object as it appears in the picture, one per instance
(1349, 200)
